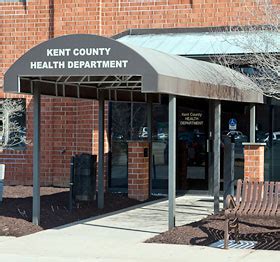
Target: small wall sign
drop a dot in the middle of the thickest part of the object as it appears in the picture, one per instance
(191, 119)
(232, 124)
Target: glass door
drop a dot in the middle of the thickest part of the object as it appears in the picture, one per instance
(192, 159)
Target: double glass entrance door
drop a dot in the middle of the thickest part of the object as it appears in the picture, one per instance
(191, 156)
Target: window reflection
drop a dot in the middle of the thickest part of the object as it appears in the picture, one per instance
(128, 122)
(268, 132)
(160, 147)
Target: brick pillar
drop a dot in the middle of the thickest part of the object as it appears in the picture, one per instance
(138, 170)
(254, 161)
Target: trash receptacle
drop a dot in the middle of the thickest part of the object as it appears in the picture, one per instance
(83, 177)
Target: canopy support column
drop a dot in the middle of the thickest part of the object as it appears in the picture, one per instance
(252, 123)
(172, 161)
(270, 141)
(210, 148)
(150, 135)
(100, 197)
(217, 154)
(36, 155)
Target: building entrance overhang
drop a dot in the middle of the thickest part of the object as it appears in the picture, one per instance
(95, 67)
(80, 66)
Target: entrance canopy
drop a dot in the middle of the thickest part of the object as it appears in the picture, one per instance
(81, 66)
(94, 67)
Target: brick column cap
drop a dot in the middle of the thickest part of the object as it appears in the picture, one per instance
(253, 144)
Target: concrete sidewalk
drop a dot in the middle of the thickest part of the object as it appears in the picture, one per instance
(120, 236)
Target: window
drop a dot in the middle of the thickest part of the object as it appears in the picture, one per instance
(128, 121)
(12, 123)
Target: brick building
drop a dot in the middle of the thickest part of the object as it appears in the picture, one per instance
(70, 126)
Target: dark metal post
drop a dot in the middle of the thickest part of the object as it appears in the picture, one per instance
(228, 168)
(210, 149)
(150, 139)
(131, 121)
(36, 155)
(231, 191)
(109, 166)
(217, 154)
(271, 128)
(101, 151)
(252, 123)
(172, 161)
(71, 184)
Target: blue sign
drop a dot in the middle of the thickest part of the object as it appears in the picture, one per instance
(232, 124)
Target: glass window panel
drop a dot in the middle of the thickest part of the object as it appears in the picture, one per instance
(13, 123)
(241, 113)
(128, 122)
(120, 133)
(139, 129)
(275, 162)
(262, 135)
(160, 148)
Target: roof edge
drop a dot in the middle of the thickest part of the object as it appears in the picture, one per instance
(144, 31)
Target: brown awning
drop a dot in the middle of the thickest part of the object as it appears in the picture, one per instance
(81, 65)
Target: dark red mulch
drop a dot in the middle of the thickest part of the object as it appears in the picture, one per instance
(209, 230)
(16, 209)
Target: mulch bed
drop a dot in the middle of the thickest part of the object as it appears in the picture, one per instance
(209, 230)
(16, 209)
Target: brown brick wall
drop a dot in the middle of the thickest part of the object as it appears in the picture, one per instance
(70, 126)
(254, 162)
(25, 25)
(138, 170)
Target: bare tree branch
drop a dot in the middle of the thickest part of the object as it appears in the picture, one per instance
(13, 134)
(261, 45)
